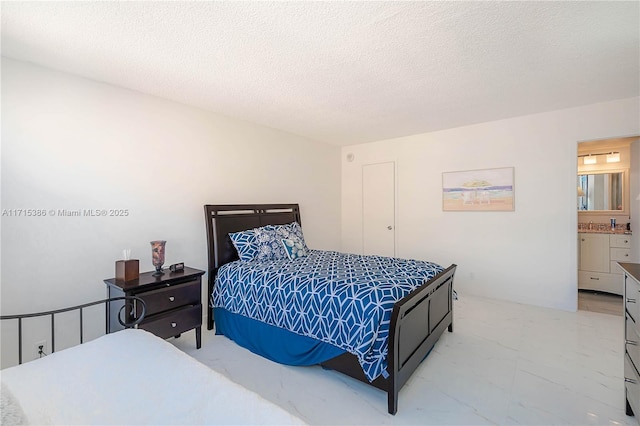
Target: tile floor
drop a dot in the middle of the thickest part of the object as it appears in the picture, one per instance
(505, 364)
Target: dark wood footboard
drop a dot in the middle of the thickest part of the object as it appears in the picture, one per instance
(417, 321)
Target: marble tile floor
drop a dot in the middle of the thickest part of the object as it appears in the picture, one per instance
(504, 364)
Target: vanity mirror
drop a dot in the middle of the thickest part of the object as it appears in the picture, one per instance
(604, 191)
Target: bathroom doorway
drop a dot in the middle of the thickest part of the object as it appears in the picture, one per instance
(607, 185)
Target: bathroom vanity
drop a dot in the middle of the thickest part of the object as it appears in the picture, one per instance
(599, 252)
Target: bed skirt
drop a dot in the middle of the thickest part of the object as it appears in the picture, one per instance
(274, 343)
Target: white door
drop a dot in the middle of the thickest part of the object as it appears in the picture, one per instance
(378, 209)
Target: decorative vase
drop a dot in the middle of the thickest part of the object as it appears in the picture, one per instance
(157, 256)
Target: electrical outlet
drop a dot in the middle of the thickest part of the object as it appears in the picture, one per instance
(40, 349)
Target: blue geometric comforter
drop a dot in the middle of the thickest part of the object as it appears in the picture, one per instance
(342, 299)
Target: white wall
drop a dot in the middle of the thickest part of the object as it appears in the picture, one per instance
(72, 143)
(528, 255)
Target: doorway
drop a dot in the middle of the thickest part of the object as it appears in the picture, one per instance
(605, 208)
(378, 209)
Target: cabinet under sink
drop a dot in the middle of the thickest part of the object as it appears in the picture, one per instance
(597, 267)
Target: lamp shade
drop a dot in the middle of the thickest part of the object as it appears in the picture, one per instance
(590, 159)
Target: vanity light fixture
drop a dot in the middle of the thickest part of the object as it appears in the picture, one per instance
(614, 157)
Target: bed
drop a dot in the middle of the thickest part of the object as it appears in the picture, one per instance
(128, 377)
(268, 307)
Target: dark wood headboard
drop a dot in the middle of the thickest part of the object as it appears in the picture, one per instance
(221, 220)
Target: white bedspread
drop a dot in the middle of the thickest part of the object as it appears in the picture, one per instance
(133, 377)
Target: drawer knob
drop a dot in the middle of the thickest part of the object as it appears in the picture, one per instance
(173, 325)
(626, 241)
(634, 382)
(631, 342)
(595, 278)
(171, 298)
(631, 300)
(626, 255)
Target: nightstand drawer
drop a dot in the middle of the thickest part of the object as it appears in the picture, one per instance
(174, 322)
(632, 340)
(632, 385)
(632, 300)
(171, 297)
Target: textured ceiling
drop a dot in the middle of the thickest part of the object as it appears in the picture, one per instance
(343, 72)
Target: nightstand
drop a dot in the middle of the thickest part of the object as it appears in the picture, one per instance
(174, 302)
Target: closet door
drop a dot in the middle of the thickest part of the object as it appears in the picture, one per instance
(378, 209)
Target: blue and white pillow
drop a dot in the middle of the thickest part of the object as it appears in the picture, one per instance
(268, 244)
(295, 233)
(294, 248)
(246, 244)
(269, 241)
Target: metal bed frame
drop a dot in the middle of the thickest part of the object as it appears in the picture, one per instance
(127, 324)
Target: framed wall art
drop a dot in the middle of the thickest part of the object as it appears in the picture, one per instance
(478, 190)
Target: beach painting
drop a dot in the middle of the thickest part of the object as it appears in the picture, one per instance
(478, 190)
